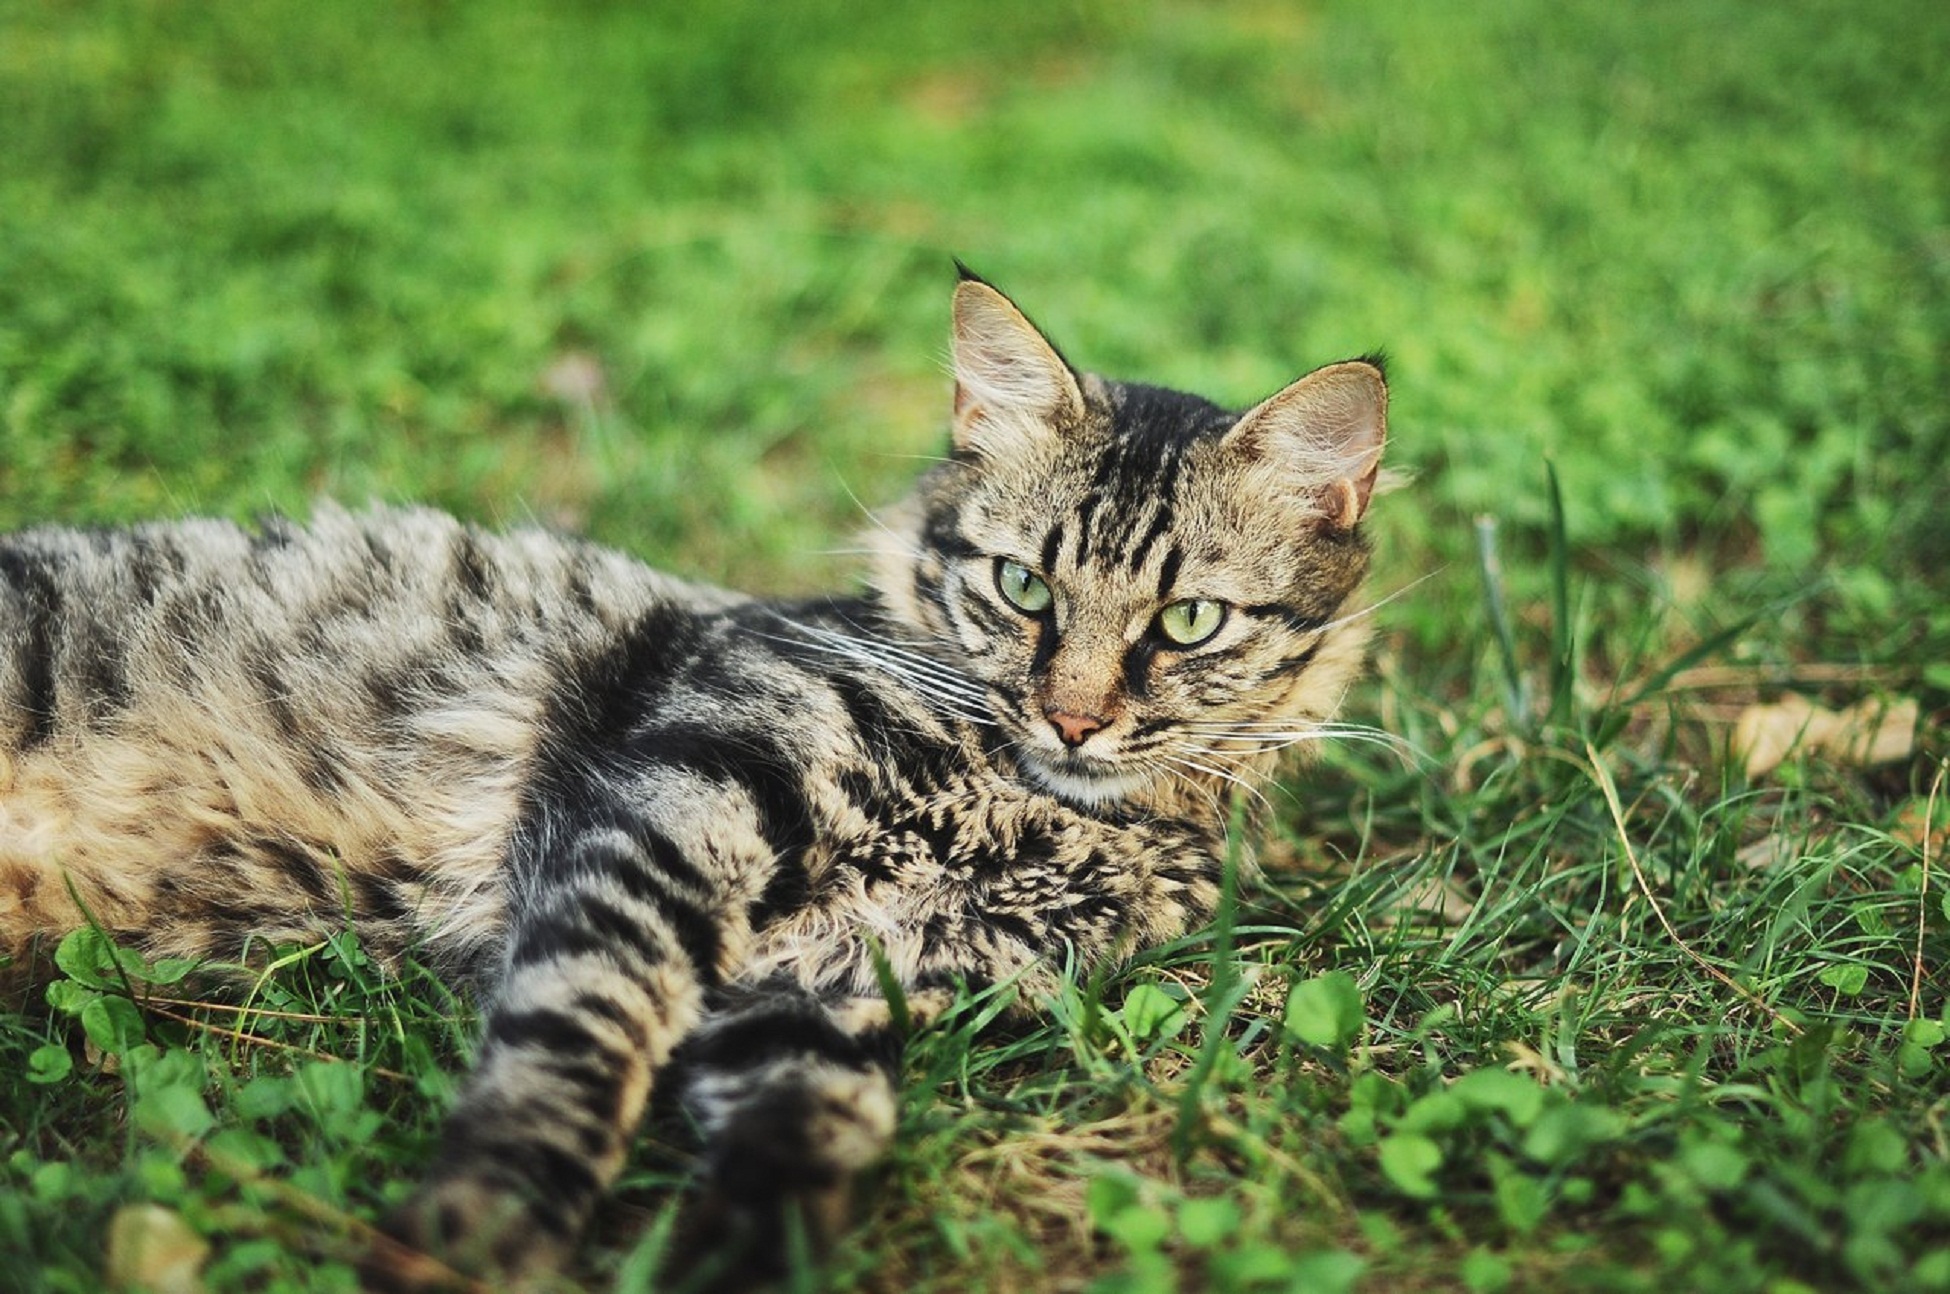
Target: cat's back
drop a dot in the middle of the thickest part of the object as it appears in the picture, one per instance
(90, 617)
(205, 719)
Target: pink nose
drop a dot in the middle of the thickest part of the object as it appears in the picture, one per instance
(1073, 728)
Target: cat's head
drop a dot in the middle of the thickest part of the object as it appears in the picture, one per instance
(1145, 585)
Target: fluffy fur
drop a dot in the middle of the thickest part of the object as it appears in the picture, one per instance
(661, 827)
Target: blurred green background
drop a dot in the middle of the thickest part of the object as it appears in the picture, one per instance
(678, 274)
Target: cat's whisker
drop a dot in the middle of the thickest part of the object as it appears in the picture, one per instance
(1379, 603)
(1302, 734)
(1248, 788)
(1202, 787)
(1408, 755)
(944, 684)
(902, 543)
(962, 693)
(1161, 765)
(1292, 721)
(1223, 775)
(909, 458)
(1249, 762)
(1252, 727)
(1279, 738)
(881, 646)
(933, 682)
(855, 551)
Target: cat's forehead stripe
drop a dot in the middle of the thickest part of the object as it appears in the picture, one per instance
(943, 534)
(1161, 521)
(1052, 547)
(1168, 571)
(1086, 518)
(1126, 533)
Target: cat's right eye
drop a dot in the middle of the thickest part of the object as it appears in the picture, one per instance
(1191, 622)
(1023, 588)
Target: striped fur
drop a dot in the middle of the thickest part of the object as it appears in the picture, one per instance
(663, 828)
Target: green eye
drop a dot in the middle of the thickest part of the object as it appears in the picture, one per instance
(1192, 621)
(1024, 589)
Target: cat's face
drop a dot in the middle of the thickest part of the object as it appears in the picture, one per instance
(1143, 583)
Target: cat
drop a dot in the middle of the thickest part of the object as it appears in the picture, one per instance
(667, 831)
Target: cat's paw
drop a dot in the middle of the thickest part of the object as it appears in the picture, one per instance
(390, 1265)
(458, 1236)
(745, 1241)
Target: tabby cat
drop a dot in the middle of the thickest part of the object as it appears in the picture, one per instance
(669, 830)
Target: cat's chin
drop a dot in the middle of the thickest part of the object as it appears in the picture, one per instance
(1087, 782)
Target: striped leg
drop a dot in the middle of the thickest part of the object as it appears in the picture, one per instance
(544, 1121)
(793, 1098)
(612, 952)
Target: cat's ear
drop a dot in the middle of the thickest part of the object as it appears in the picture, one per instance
(1012, 388)
(1325, 433)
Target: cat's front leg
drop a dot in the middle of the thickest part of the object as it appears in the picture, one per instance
(625, 911)
(794, 1095)
(594, 999)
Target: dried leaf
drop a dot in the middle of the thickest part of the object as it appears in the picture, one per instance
(1440, 897)
(1775, 849)
(1869, 732)
(1909, 828)
(1874, 731)
(151, 1248)
(1764, 734)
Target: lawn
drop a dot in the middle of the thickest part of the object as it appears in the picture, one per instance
(1565, 997)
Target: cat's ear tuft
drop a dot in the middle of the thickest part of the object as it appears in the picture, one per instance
(1011, 386)
(1325, 433)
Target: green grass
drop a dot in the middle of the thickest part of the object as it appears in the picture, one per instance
(1687, 261)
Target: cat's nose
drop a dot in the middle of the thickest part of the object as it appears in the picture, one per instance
(1072, 728)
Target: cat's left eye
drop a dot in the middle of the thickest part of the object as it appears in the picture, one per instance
(1192, 621)
(1025, 589)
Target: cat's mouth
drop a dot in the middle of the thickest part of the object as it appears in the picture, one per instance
(1083, 779)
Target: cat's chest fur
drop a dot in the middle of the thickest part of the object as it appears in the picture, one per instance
(969, 870)
(894, 830)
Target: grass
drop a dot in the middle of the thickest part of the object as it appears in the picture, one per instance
(1571, 1003)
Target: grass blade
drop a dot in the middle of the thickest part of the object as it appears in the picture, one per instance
(1564, 638)
(1491, 566)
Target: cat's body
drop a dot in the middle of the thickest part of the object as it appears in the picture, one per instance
(653, 820)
